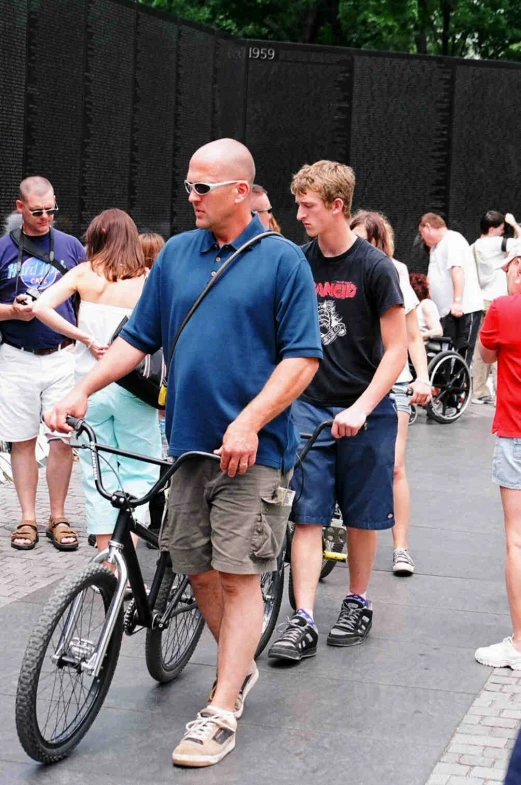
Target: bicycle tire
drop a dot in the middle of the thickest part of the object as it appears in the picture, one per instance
(168, 650)
(272, 588)
(36, 739)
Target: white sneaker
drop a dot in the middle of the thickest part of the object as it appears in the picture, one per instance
(249, 682)
(500, 655)
(402, 562)
(207, 739)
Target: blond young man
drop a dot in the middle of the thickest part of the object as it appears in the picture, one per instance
(362, 324)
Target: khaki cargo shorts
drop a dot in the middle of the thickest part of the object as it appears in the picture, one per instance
(230, 524)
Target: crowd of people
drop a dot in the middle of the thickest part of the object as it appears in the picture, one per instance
(255, 365)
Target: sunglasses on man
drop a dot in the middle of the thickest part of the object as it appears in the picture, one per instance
(47, 210)
(204, 188)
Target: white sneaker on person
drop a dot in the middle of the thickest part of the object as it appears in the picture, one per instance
(402, 562)
(207, 740)
(500, 655)
(249, 682)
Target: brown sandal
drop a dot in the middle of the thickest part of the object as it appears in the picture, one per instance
(26, 530)
(58, 530)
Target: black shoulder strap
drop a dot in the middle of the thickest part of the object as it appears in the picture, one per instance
(26, 245)
(207, 288)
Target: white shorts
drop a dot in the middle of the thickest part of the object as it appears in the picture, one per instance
(29, 385)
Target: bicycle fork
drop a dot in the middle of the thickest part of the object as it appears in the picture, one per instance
(92, 666)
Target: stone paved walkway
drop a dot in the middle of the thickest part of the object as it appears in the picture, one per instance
(411, 706)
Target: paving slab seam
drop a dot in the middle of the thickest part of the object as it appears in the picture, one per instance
(479, 751)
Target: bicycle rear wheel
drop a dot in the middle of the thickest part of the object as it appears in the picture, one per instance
(272, 588)
(168, 650)
(57, 700)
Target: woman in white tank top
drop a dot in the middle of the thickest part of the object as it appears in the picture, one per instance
(109, 286)
(375, 228)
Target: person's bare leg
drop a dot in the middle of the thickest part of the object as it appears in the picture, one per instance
(208, 593)
(402, 495)
(306, 563)
(361, 549)
(511, 500)
(25, 477)
(59, 468)
(239, 635)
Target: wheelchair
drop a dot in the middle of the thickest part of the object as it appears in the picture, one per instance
(450, 380)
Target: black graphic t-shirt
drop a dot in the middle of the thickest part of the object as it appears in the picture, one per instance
(353, 290)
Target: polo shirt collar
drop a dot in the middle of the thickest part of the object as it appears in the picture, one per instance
(255, 227)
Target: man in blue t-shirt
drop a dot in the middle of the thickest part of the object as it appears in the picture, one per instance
(36, 364)
(249, 350)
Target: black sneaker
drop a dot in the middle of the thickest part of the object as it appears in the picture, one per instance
(353, 623)
(298, 640)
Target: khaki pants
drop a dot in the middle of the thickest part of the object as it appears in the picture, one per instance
(481, 370)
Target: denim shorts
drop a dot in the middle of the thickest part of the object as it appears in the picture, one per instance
(506, 464)
(402, 401)
(357, 471)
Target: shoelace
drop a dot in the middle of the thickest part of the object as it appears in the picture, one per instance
(348, 617)
(202, 727)
(293, 633)
(402, 555)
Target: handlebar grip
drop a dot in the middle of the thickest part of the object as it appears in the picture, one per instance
(74, 422)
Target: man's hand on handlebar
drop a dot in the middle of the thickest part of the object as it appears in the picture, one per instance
(239, 449)
(421, 392)
(74, 404)
(348, 422)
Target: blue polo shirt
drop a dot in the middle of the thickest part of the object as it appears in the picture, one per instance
(262, 310)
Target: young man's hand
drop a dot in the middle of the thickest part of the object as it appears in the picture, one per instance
(348, 422)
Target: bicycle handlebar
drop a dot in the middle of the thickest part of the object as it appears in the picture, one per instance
(81, 426)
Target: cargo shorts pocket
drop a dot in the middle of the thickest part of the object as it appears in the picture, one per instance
(269, 531)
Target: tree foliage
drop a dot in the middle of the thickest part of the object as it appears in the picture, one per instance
(461, 28)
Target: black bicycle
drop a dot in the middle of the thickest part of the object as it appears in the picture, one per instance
(73, 650)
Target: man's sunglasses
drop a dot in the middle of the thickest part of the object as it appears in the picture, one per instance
(205, 188)
(48, 211)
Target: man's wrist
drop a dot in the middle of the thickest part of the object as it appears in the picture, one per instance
(458, 299)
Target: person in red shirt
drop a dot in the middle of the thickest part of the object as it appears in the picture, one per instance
(500, 339)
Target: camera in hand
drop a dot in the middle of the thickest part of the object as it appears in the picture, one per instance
(32, 293)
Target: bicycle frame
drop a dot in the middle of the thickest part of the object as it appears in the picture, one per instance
(121, 552)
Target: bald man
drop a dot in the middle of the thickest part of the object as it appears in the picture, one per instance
(36, 363)
(248, 351)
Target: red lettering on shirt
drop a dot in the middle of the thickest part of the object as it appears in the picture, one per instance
(340, 290)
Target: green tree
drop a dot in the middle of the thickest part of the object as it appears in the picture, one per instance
(460, 28)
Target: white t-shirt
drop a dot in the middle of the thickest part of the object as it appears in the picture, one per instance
(410, 302)
(453, 251)
(490, 257)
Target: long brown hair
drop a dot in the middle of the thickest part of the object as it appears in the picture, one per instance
(379, 230)
(113, 246)
(151, 244)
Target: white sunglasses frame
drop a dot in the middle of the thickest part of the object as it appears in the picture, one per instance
(189, 187)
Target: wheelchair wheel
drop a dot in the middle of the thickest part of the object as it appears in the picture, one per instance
(168, 650)
(451, 387)
(57, 700)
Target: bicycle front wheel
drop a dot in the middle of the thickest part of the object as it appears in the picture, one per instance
(57, 700)
(169, 649)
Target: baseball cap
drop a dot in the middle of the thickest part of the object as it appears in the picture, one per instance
(514, 252)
